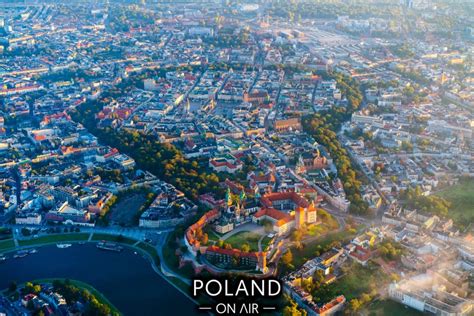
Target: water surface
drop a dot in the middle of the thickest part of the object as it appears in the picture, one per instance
(126, 279)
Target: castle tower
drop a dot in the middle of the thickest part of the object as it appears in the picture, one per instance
(240, 205)
(257, 194)
(242, 197)
(300, 168)
(300, 217)
(312, 213)
(238, 211)
(228, 199)
(187, 108)
(262, 261)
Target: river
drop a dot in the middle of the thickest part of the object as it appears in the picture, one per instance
(126, 279)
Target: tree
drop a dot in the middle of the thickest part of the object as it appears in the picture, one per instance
(406, 146)
(30, 305)
(198, 233)
(25, 232)
(205, 239)
(354, 305)
(297, 235)
(37, 288)
(365, 298)
(29, 287)
(318, 278)
(164, 160)
(235, 260)
(429, 204)
(268, 226)
(394, 277)
(322, 127)
(245, 247)
(307, 285)
(287, 258)
(390, 250)
(13, 286)
(292, 309)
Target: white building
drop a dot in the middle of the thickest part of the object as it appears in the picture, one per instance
(28, 219)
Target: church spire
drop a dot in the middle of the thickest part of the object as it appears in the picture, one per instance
(228, 198)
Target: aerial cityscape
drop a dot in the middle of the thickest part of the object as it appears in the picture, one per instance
(237, 157)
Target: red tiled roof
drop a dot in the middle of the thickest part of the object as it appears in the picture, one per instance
(269, 198)
(199, 224)
(281, 217)
(308, 190)
(20, 89)
(328, 306)
(40, 137)
(361, 254)
(229, 165)
(266, 178)
(112, 153)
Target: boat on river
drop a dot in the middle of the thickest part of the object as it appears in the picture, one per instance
(21, 254)
(110, 246)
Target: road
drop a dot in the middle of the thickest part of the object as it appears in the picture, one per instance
(155, 236)
(369, 176)
(164, 268)
(133, 233)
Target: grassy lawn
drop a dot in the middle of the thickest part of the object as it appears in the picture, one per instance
(213, 236)
(5, 233)
(150, 250)
(315, 248)
(317, 229)
(172, 261)
(359, 280)
(241, 238)
(462, 201)
(146, 247)
(53, 239)
(327, 219)
(391, 308)
(169, 255)
(113, 238)
(6, 244)
(98, 295)
(328, 223)
(265, 242)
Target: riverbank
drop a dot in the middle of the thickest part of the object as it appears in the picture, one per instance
(128, 279)
(148, 251)
(101, 298)
(82, 285)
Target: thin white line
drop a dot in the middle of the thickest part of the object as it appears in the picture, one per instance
(269, 308)
(200, 307)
